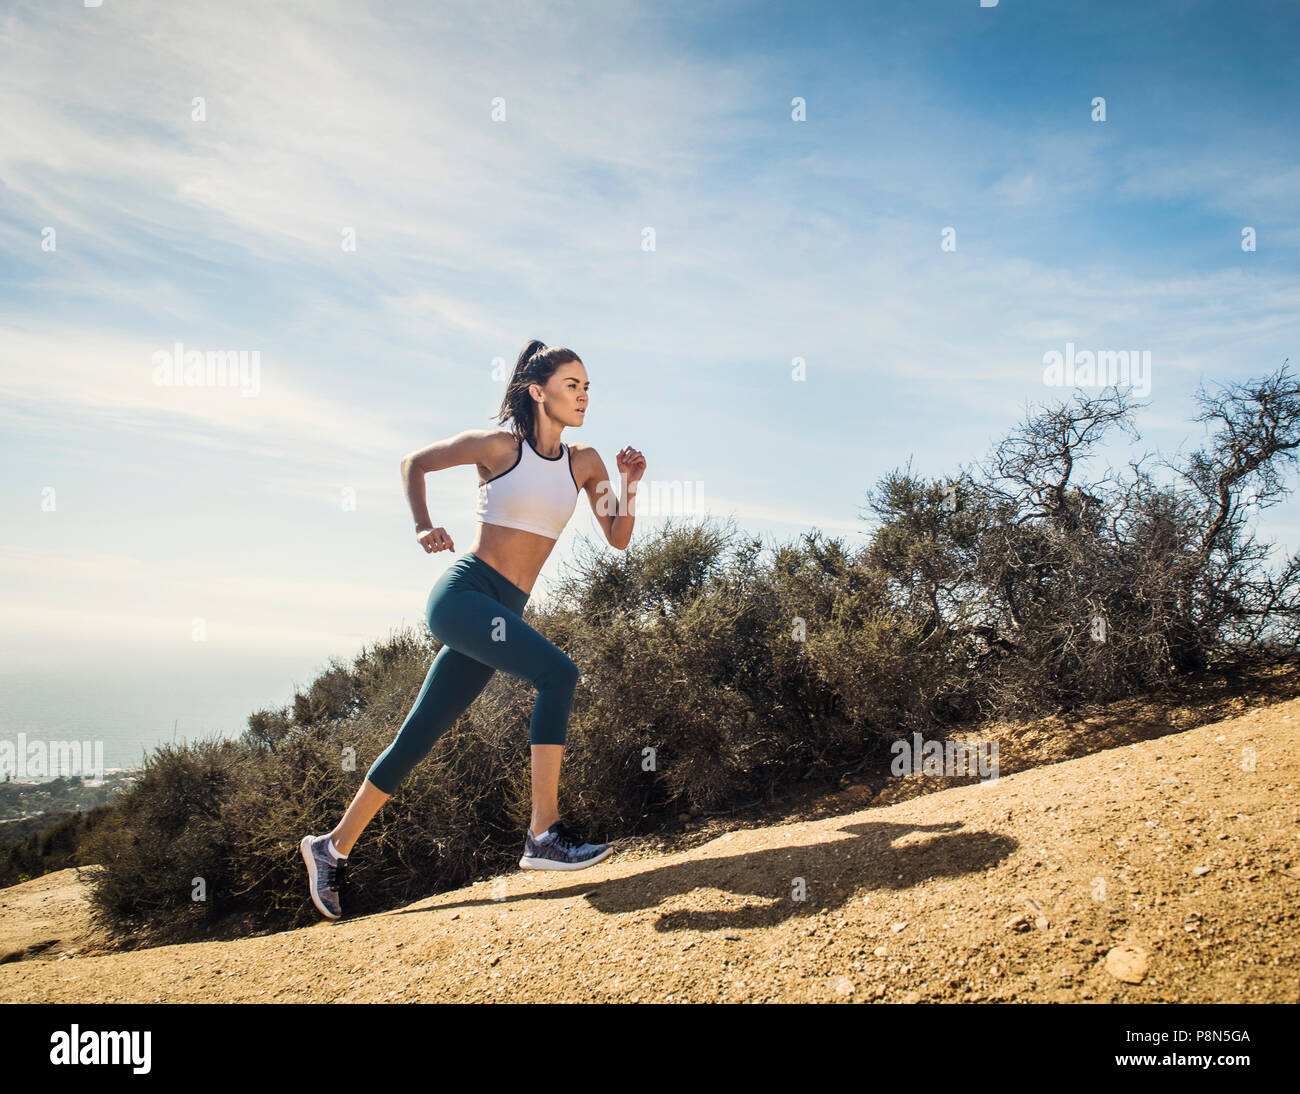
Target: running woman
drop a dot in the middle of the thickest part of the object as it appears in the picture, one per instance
(529, 482)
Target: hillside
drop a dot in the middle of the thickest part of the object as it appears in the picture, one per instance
(974, 893)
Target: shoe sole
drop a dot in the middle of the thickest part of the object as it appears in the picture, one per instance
(310, 860)
(529, 863)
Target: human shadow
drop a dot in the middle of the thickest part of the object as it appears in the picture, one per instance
(789, 881)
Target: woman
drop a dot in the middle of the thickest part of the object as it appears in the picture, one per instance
(529, 483)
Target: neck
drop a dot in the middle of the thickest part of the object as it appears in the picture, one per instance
(547, 440)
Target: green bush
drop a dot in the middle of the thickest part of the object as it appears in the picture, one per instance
(56, 844)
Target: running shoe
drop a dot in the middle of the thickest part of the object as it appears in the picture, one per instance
(323, 872)
(563, 849)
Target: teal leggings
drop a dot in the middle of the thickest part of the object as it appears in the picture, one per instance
(476, 613)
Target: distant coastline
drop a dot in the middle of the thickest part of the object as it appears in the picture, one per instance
(30, 799)
(50, 778)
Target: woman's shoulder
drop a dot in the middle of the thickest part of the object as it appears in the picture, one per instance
(498, 452)
(586, 463)
(501, 439)
(493, 436)
(583, 452)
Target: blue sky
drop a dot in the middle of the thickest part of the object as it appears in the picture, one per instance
(774, 240)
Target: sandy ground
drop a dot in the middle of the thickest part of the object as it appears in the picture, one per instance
(46, 917)
(1163, 870)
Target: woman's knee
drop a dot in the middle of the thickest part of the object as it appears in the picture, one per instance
(560, 672)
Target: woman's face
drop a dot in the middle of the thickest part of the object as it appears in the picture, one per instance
(565, 394)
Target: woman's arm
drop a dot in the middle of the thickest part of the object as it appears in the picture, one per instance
(468, 447)
(616, 517)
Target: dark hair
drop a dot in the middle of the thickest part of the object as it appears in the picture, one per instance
(537, 364)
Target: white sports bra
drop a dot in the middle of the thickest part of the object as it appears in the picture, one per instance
(536, 493)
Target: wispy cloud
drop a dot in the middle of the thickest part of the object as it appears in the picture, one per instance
(773, 240)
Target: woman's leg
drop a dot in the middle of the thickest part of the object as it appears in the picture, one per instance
(480, 635)
(491, 633)
(546, 786)
(365, 804)
(451, 684)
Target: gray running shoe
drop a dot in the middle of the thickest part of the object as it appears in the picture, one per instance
(323, 872)
(564, 850)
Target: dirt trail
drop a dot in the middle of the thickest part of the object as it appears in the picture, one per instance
(47, 917)
(1166, 862)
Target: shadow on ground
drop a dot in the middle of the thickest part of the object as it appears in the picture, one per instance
(833, 872)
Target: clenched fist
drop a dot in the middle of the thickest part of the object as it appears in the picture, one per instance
(434, 539)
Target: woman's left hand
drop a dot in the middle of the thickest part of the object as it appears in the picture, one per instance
(631, 464)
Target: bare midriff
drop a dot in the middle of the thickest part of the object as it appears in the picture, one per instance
(515, 554)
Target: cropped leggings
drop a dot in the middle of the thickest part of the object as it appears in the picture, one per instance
(476, 613)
